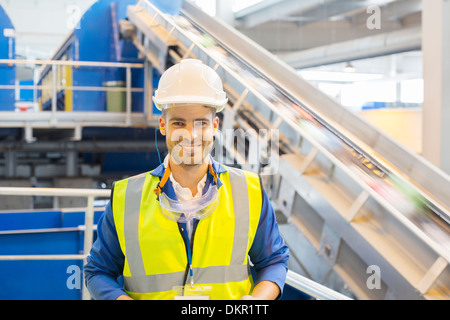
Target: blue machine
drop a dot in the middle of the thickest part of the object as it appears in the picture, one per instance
(7, 72)
(95, 38)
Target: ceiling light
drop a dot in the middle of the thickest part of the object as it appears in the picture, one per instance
(349, 68)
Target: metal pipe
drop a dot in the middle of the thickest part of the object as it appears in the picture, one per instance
(88, 238)
(73, 63)
(72, 88)
(70, 120)
(363, 48)
(128, 96)
(313, 288)
(89, 223)
(78, 146)
(42, 257)
(54, 96)
(57, 192)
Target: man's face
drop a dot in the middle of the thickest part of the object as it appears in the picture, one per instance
(189, 131)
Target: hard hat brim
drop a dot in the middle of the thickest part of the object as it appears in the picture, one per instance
(173, 101)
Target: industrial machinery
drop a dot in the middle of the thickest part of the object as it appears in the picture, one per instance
(361, 214)
(95, 38)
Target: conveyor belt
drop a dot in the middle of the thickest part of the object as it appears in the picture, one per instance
(336, 178)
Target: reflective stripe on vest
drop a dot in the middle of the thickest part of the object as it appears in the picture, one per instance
(155, 257)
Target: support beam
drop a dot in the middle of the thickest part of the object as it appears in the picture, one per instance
(10, 164)
(71, 163)
(436, 106)
(270, 10)
(363, 48)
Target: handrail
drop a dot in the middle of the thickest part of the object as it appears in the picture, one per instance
(58, 192)
(90, 194)
(73, 63)
(55, 87)
(30, 257)
(72, 88)
(313, 288)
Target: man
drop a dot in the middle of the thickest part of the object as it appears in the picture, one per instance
(189, 227)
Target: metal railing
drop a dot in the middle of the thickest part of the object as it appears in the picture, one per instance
(312, 288)
(53, 116)
(90, 194)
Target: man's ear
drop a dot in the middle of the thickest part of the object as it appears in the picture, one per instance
(216, 124)
(162, 126)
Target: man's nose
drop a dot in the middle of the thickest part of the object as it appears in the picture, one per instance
(195, 130)
(190, 133)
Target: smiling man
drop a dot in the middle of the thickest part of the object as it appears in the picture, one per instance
(192, 226)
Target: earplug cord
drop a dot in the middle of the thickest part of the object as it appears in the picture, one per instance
(156, 144)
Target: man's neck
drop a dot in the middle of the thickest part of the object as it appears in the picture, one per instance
(188, 176)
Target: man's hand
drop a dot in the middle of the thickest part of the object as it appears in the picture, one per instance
(265, 290)
(124, 297)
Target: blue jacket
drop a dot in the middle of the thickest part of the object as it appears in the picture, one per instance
(268, 254)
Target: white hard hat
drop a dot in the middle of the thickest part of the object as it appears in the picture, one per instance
(190, 81)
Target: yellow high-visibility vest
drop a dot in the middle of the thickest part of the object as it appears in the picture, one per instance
(154, 249)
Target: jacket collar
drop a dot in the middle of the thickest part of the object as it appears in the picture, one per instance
(217, 167)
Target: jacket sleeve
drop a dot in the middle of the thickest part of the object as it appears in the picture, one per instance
(269, 254)
(105, 262)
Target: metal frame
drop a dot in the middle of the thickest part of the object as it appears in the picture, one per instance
(314, 289)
